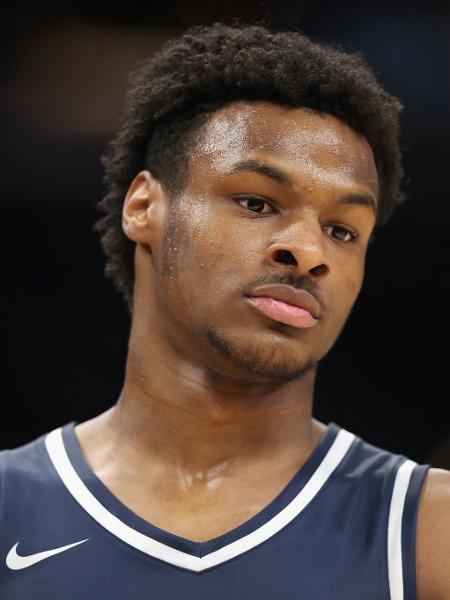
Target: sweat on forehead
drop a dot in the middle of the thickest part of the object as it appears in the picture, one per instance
(300, 135)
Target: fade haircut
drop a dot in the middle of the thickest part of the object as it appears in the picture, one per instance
(173, 94)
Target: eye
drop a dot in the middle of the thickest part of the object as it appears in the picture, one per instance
(254, 204)
(345, 235)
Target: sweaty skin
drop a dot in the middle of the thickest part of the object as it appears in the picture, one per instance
(215, 414)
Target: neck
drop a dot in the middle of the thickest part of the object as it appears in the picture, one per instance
(185, 417)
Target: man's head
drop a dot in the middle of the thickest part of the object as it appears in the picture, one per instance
(222, 125)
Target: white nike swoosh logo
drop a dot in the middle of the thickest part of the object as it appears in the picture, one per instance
(16, 562)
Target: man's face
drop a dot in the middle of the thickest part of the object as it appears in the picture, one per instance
(236, 227)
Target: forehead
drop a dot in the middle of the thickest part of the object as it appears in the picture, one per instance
(319, 147)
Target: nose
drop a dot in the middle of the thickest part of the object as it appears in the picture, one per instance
(303, 248)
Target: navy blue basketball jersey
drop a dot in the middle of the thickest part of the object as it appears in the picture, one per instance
(343, 528)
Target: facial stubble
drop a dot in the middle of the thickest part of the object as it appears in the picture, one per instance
(252, 361)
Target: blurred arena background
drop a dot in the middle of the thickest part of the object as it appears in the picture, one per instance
(65, 329)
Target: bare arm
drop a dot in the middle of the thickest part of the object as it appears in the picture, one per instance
(433, 537)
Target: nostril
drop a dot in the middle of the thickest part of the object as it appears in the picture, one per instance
(285, 257)
(319, 270)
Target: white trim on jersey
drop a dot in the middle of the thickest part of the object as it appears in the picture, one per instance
(395, 559)
(57, 452)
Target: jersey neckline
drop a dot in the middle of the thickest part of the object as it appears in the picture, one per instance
(93, 495)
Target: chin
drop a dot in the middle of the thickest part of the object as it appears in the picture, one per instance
(269, 362)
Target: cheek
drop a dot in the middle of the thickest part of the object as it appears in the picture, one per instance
(350, 281)
(210, 241)
(182, 244)
(216, 262)
(197, 257)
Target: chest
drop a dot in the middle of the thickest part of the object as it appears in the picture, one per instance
(200, 515)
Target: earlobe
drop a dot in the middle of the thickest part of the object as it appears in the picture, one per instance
(139, 207)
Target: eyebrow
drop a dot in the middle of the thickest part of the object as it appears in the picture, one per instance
(263, 168)
(276, 174)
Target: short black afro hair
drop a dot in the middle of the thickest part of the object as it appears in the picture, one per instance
(173, 93)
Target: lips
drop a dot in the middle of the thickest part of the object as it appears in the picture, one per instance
(286, 304)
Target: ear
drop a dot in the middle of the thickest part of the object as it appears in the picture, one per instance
(143, 208)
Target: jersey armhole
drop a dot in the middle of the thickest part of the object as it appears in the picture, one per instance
(408, 483)
(409, 530)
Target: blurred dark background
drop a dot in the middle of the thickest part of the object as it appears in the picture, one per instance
(63, 79)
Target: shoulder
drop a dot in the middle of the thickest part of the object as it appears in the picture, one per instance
(433, 537)
(22, 455)
(23, 465)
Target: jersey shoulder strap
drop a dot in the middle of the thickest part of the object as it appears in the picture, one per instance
(402, 528)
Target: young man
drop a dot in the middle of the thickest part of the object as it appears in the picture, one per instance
(243, 190)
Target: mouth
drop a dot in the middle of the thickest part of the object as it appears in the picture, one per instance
(283, 312)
